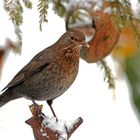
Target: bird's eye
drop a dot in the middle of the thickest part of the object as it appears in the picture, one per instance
(72, 38)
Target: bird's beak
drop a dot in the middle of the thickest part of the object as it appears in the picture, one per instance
(84, 44)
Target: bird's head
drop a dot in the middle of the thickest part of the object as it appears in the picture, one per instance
(73, 39)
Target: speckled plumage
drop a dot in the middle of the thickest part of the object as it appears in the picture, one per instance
(50, 73)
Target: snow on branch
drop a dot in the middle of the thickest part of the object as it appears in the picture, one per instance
(49, 128)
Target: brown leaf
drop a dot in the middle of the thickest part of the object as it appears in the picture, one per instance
(106, 36)
(4, 50)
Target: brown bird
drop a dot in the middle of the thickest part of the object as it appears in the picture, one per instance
(50, 73)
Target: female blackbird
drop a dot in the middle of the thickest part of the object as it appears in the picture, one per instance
(50, 73)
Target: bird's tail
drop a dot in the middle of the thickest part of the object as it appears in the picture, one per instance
(7, 96)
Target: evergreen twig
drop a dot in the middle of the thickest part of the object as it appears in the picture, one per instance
(108, 76)
(43, 11)
(15, 10)
(27, 3)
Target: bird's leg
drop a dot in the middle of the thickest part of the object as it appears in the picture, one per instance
(50, 105)
(34, 102)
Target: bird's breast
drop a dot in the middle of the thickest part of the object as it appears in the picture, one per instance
(67, 71)
(63, 75)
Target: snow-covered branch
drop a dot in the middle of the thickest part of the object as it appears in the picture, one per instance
(49, 128)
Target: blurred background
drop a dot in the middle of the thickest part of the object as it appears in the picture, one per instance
(106, 93)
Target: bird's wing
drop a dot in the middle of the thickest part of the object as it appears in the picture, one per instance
(40, 61)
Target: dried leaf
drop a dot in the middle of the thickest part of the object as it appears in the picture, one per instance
(106, 36)
(4, 50)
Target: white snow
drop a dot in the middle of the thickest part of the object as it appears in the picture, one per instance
(70, 123)
(108, 10)
(59, 126)
(98, 5)
(56, 126)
